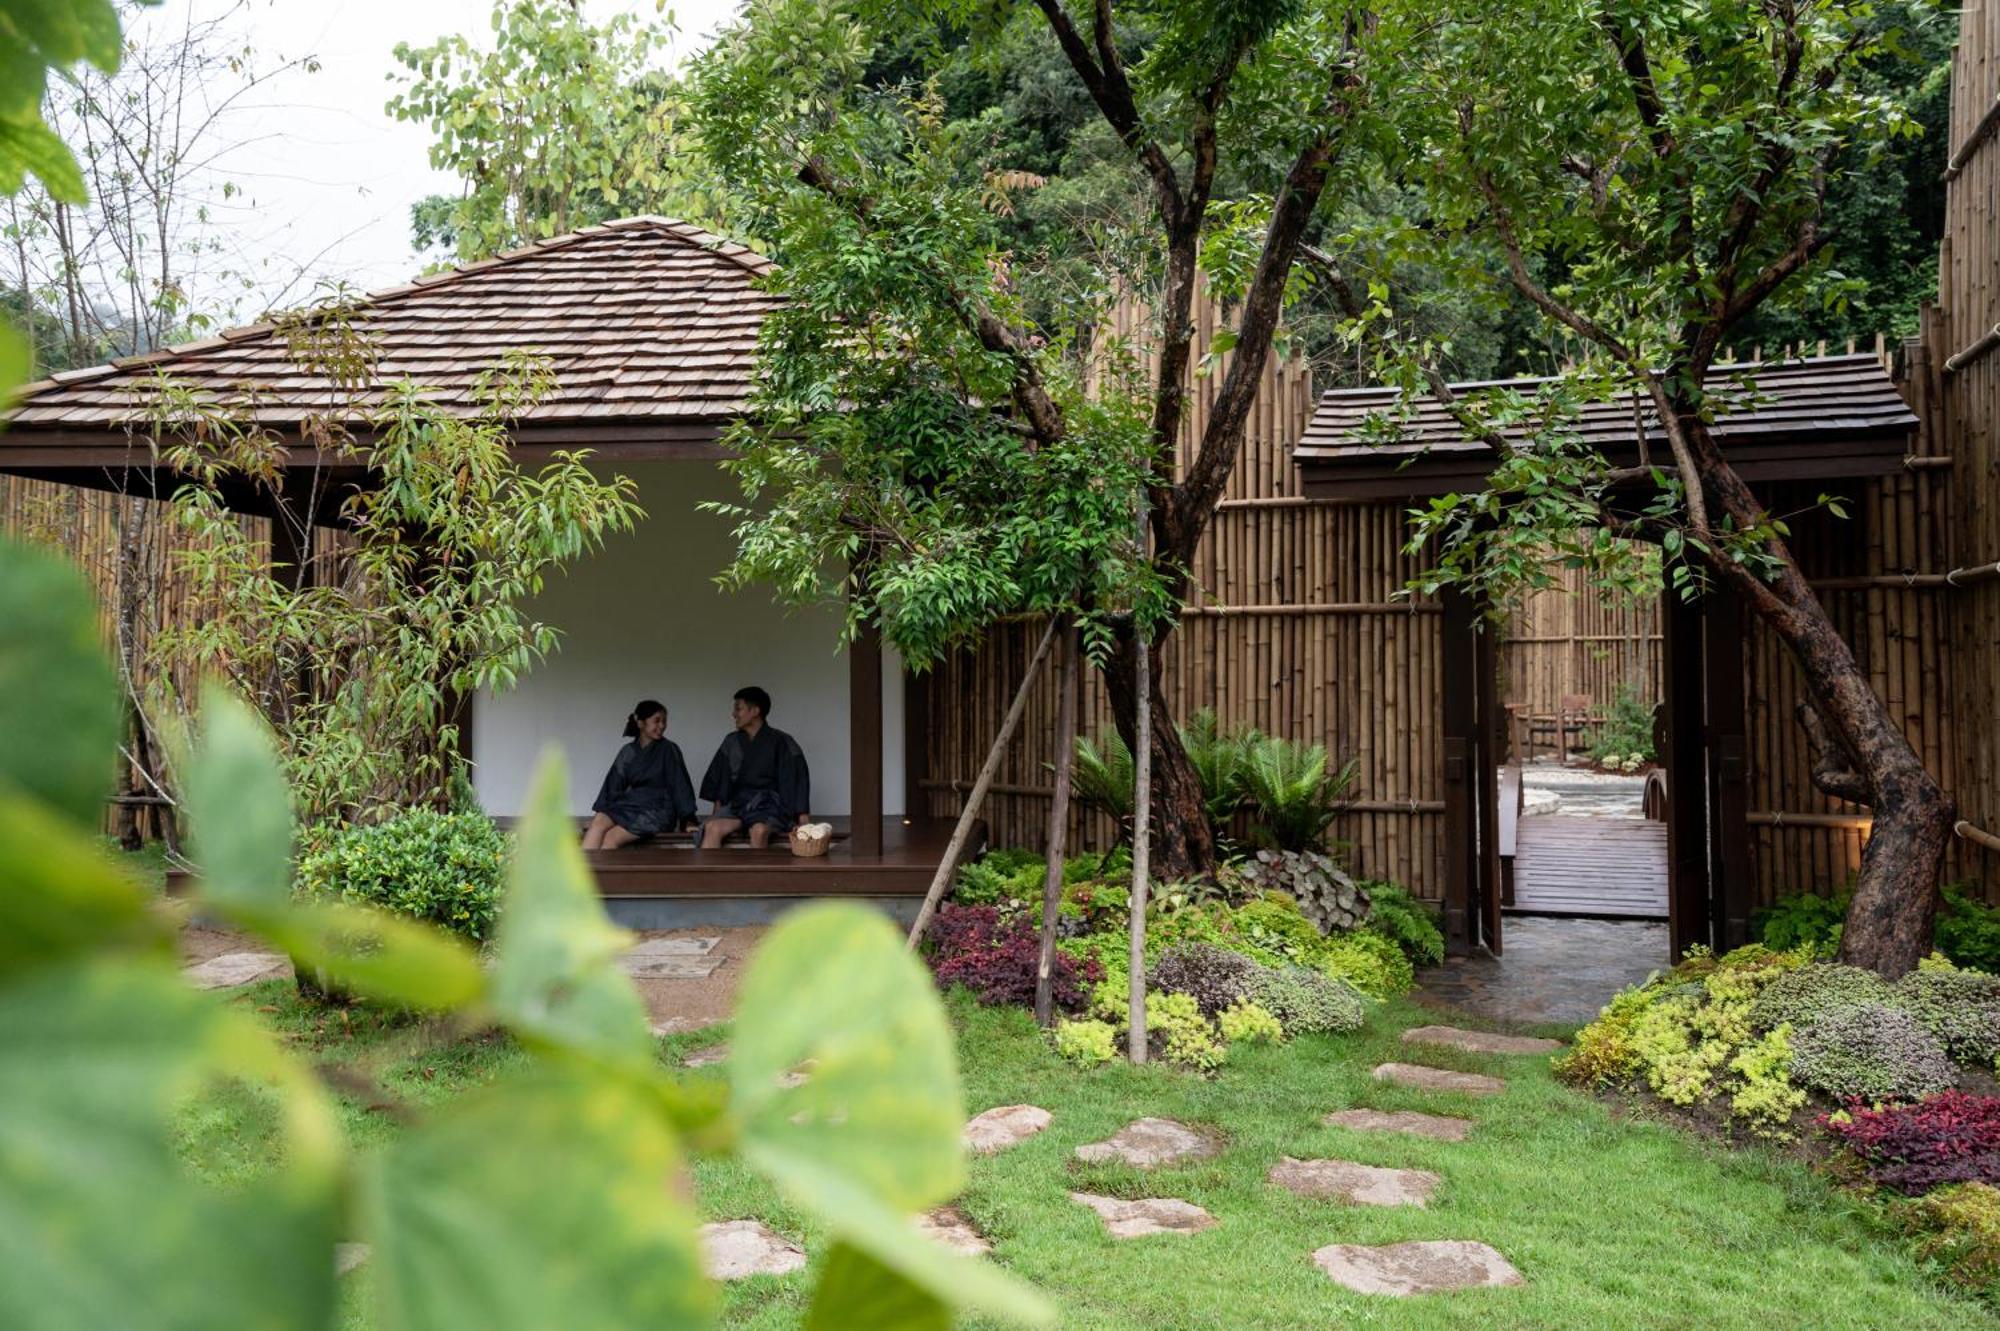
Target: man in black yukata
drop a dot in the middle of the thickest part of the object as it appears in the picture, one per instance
(758, 779)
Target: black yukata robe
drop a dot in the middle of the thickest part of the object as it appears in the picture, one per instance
(759, 780)
(647, 791)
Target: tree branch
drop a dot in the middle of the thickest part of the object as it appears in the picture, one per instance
(1834, 769)
(1103, 75)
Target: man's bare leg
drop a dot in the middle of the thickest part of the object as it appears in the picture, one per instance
(760, 835)
(715, 829)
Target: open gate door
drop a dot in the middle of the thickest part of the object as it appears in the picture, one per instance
(1486, 703)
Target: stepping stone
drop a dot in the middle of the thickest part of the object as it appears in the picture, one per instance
(1004, 1126)
(1360, 1185)
(706, 1056)
(736, 1249)
(671, 1026)
(953, 1228)
(1420, 1078)
(1480, 1042)
(671, 959)
(1150, 1142)
(349, 1256)
(673, 947)
(1437, 1127)
(1131, 1219)
(796, 1076)
(234, 968)
(1400, 1269)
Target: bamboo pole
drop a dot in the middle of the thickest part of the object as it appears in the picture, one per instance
(1142, 819)
(1052, 880)
(987, 771)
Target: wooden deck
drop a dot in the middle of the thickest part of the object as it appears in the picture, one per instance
(910, 855)
(1576, 865)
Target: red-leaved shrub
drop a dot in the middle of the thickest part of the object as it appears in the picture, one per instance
(997, 958)
(1950, 1137)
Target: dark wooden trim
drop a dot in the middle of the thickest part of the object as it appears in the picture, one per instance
(1461, 864)
(1728, 765)
(916, 742)
(1687, 777)
(1486, 701)
(864, 738)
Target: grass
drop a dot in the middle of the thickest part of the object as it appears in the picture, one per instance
(1614, 1222)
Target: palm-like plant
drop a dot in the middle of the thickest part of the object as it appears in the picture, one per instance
(1294, 791)
(1218, 760)
(1103, 779)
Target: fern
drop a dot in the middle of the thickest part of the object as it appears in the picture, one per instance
(1294, 791)
(1103, 779)
(1218, 761)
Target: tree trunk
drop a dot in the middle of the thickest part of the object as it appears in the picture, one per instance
(1889, 925)
(1183, 844)
(1052, 878)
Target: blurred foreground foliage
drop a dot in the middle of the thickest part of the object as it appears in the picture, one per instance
(555, 1197)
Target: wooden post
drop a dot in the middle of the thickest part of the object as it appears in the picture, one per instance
(1687, 778)
(1142, 830)
(1728, 766)
(969, 815)
(864, 741)
(1052, 879)
(1486, 776)
(1459, 668)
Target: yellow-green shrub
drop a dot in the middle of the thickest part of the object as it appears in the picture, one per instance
(1766, 1098)
(1246, 1021)
(1175, 1023)
(1958, 1227)
(1087, 1042)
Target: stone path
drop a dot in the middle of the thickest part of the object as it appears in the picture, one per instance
(1554, 970)
(1479, 1042)
(236, 968)
(1420, 1078)
(349, 1257)
(1359, 1185)
(1003, 1126)
(737, 1249)
(1151, 1142)
(1438, 1127)
(706, 1056)
(1136, 1217)
(954, 1229)
(1400, 1269)
(671, 959)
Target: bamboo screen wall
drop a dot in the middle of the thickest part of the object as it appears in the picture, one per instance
(1565, 641)
(1963, 378)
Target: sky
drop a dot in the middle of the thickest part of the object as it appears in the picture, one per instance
(326, 176)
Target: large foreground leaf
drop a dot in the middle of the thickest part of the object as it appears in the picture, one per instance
(99, 1224)
(872, 1133)
(858, 1293)
(555, 976)
(536, 1205)
(60, 896)
(58, 697)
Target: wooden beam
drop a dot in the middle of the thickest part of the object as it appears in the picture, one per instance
(1687, 777)
(1459, 716)
(864, 738)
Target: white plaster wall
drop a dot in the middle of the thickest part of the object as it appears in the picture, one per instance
(644, 619)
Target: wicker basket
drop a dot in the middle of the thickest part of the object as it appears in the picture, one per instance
(807, 846)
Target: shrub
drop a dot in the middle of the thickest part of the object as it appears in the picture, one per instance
(1176, 1028)
(1087, 1042)
(1765, 1096)
(1627, 732)
(1250, 1023)
(1305, 1000)
(1871, 1052)
(1959, 1229)
(1393, 911)
(1951, 1137)
(1811, 994)
(1272, 930)
(1602, 1054)
(444, 868)
(1217, 760)
(1961, 1008)
(999, 876)
(1804, 919)
(1293, 790)
(1680, 1065)
(1102, 779)
(997, 957)
(1968, 931)
(1214, 978)
(1369, 961)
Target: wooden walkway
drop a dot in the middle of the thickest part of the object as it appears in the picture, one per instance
(1567, 864)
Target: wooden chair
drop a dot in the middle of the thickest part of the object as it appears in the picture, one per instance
(1572, 719)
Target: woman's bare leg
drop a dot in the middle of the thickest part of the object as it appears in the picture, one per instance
(715, 829)
(593, 836)
(617, 837)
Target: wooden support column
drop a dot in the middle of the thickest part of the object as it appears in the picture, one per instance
(864, 740)
(1486, 777)
(916, 745)
(1459, 670)
(1687, 776)
(1728, 774)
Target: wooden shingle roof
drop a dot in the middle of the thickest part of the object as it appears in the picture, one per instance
(1823, 416)
(649, 326)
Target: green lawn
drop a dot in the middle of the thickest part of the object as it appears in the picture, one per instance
(1614, 1224)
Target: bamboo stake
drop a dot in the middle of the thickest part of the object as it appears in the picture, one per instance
(987, 771)
(1142, 818)
(1052, 881)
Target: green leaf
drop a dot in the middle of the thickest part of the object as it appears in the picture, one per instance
(100, 1224)
(858, 1293)
(555, 977)
(59, 709)
(872, 1133)
(240, 817)
(27, 145)
(547, 1203)
(62, 895)
(378, 955)
(16, 361)
(65, 31)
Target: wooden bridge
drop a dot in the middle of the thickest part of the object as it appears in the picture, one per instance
(1580, 864)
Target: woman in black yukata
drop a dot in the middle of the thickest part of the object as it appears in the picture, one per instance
(647, 790)
(758, 778)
